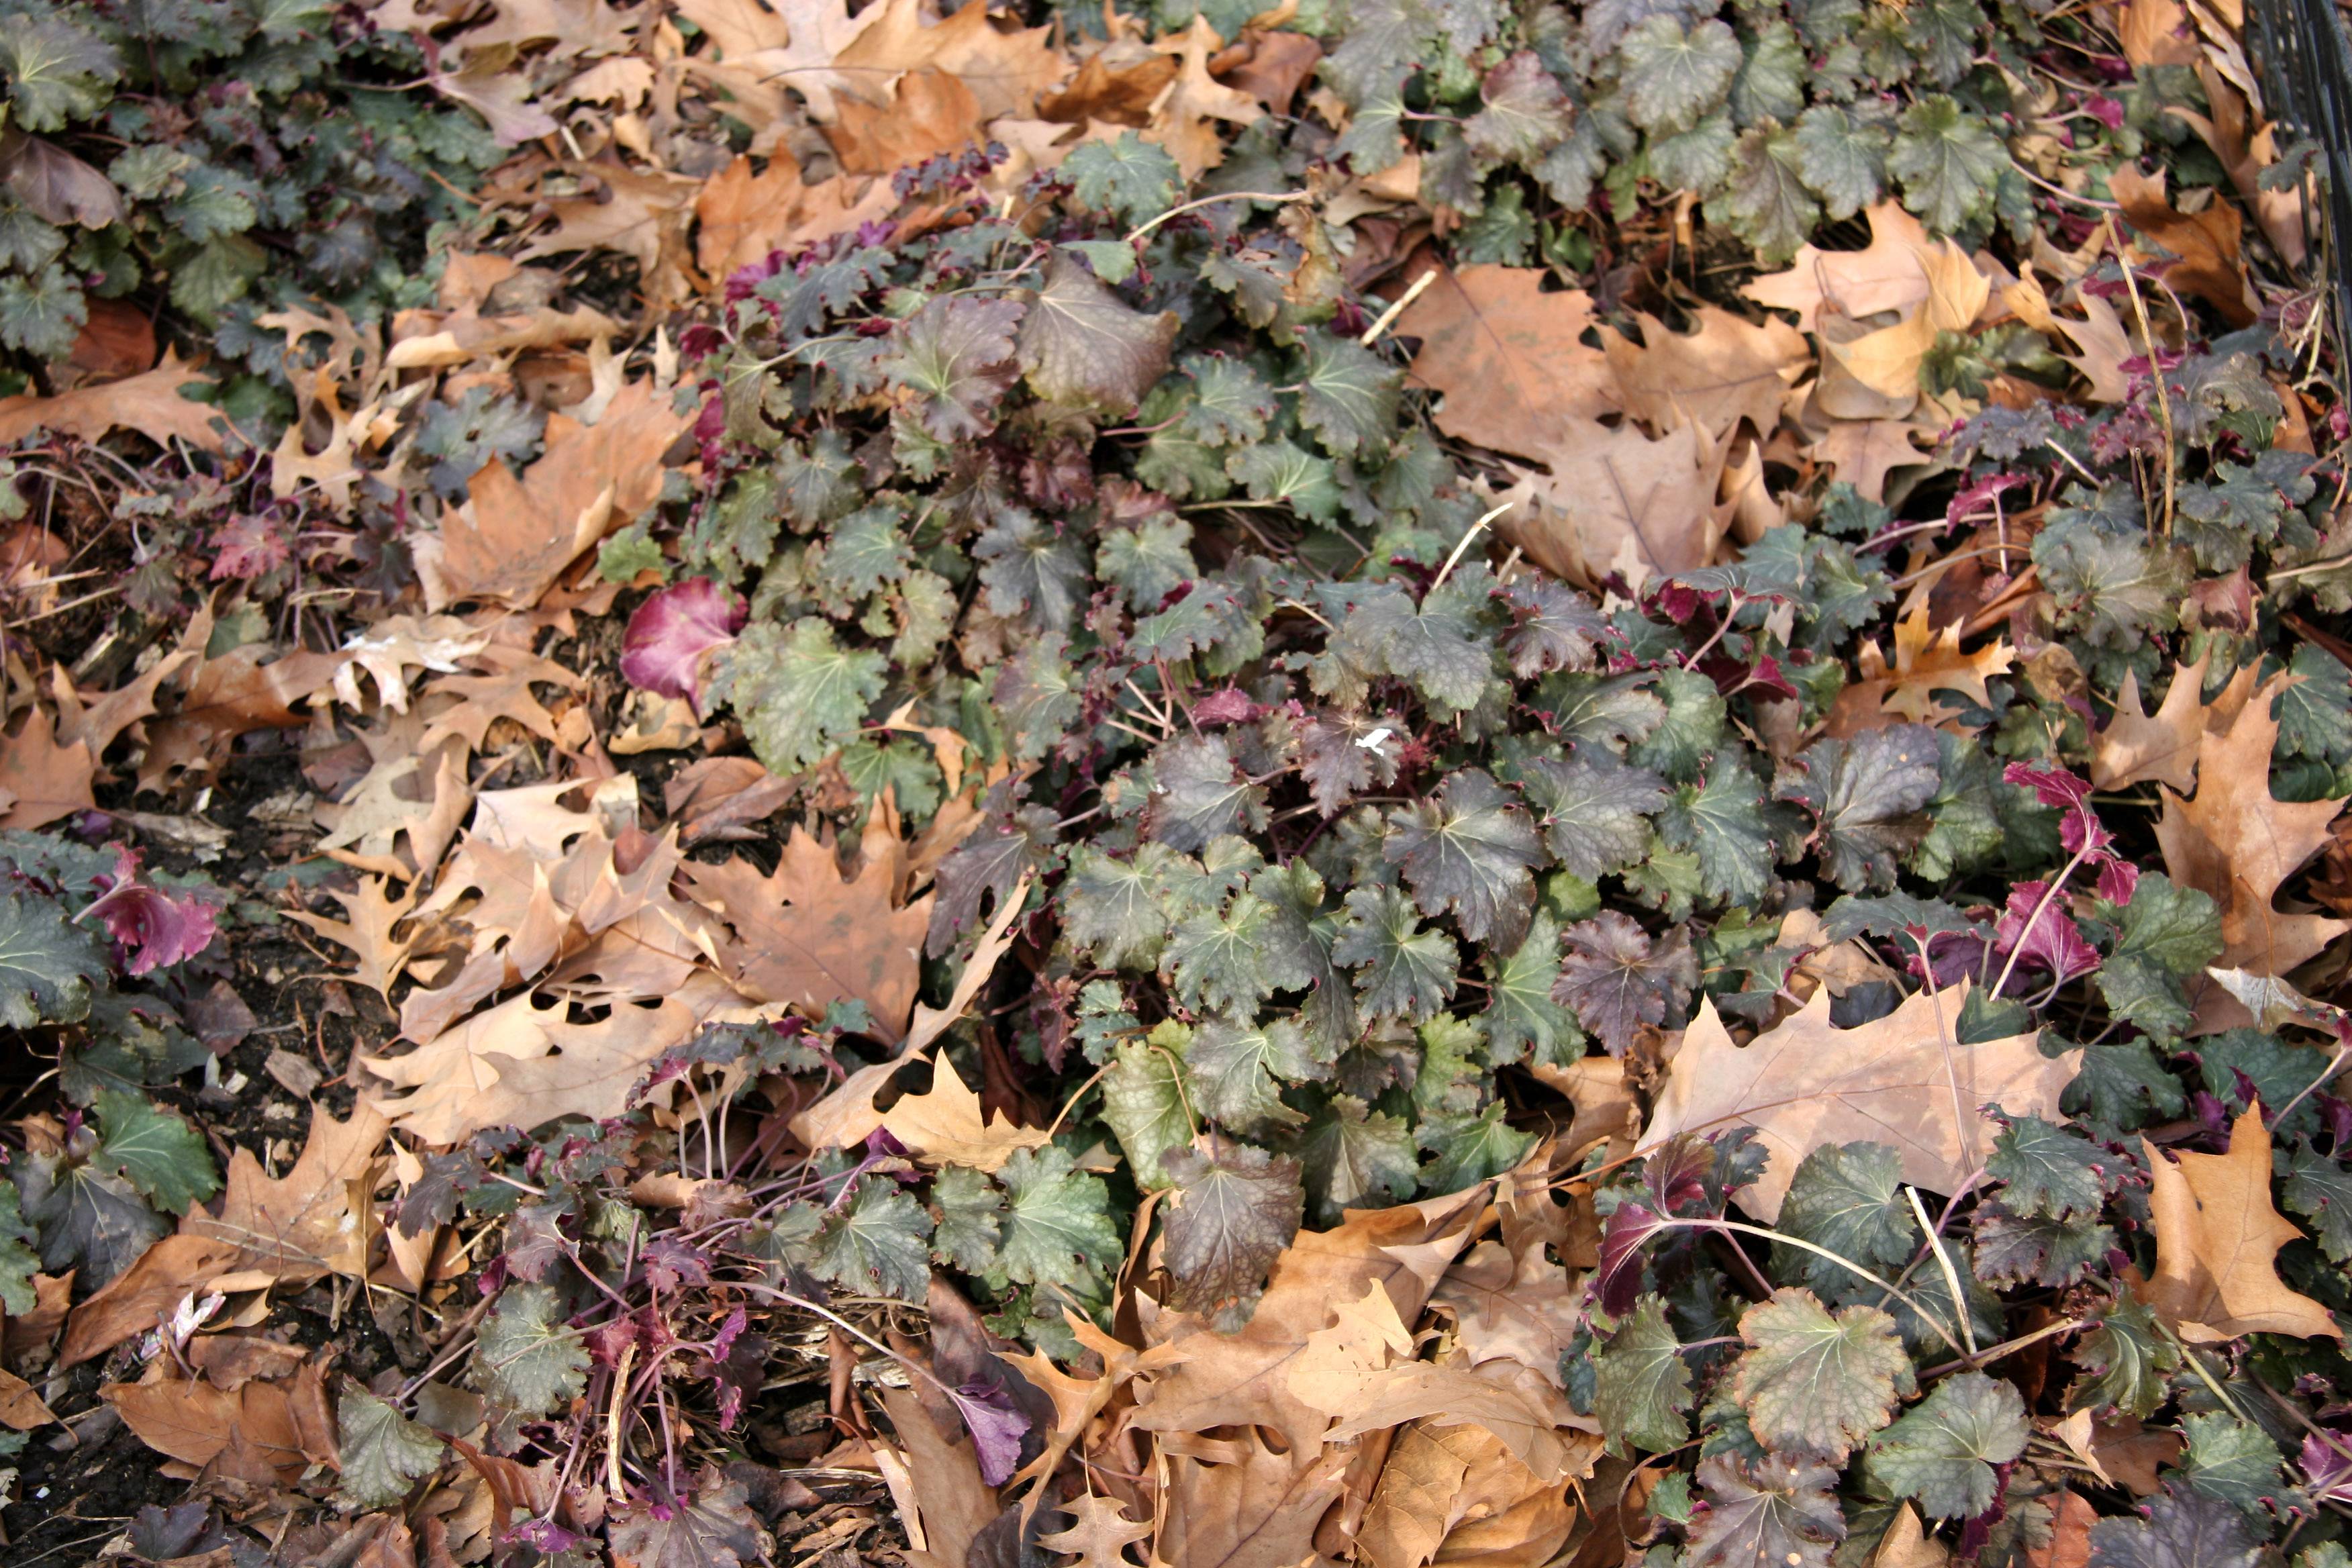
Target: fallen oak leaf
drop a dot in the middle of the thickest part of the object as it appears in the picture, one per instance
(1723, 371)
(944, 1125)
(267, 1431)
(1506, 357)
(1101, 1535)
(149, 403)
(2237, 844)
(2207, 243)
(301, 1227)
(41, 780)
(1885, 276)
(2217, 1236)
(1899, 1081)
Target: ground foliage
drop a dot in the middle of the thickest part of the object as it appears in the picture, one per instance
(1414, 916)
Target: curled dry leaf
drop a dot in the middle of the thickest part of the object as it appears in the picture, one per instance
(2216, 1235)
(1901, 1080)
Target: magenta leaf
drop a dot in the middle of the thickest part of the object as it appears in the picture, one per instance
(997, 1426)
(671, 633)
(2051, 941)
(151, 929)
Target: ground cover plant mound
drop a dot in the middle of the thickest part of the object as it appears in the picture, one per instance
(1375, 784)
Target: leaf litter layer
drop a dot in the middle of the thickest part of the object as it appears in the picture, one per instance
(1391, 785)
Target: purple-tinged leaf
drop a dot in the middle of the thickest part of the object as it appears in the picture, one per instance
(151, 929)
(997, 1426)
(673, 631)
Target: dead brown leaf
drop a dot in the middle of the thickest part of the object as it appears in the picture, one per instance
(1005, 69)
(1181, 114)
(21, 1408)
(41, 780)
(1507, 357)
(2217, 1235)
(1901, 1080)
(373, 915)
(1617, 501)
(144, 1295)
(2237, 844)
(149, 403)
(514, 537)
(1864, 451)
(1926, 660)
(1886, 275)
(807, 935)
(1722, 372)
(944, 1126)
(264, 1432)
(2136, 747)
(2207, 243)
(930, 113)
(301, 1227)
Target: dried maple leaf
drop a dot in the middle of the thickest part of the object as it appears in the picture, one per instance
(1459, 1490)
(930, 113)
(1926, 660)
(373, 915)
(1101, 1535)
(267, 1430)
(292, 1229)
(1250, 1504)
(793, 46)
(502, 690)
(522, 1063)
(2217, 1235)
(1005, 70)
(2236, 844)
(2136, 747)
(1724, 370)
(1900, 1081)
(1886, 275)
(944, 1126)
(1508, 358)
(1182, 113)
(742, 216)
(149, 403)
(807, 935)
(41, 780)
(1198, 1378)
(1617, 501)
(514, 537)
(2100, 338)
(1864, 451)
(2207, 243)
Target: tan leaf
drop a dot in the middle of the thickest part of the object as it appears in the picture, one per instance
(794, 46)
(1101, 1537)
(2206, 243)
(1459, 1490)
(1006, 70)
(953, 1502)
(1522, 1308)
(944, 1126)
(1618, 501)
(1725, 370)
(742, 216)
(1901, 1080)
(399, 818)
(367, 931)
(1926, 660)
(427, 340)
(2217, 1235)
(503, 690)
(2069, 1546)
(2135, 748)
(1200, 1379)
(1180, 116)
(149, 403)
(642, 216)
(41, 780)
(514, 537)
(2236, 844)
(1864, 451)
(1237, 1501)
(1595, 1086)
(2099, 336)
(298, 1227)
(1905, 1545)
(806, 935)
(21, 1408)
(2245, 151)
(1872, 373)
(1118, 91)
(1507, 357)
(928, 113)
(1886, 275)
(2150, 33)
(523, 1062)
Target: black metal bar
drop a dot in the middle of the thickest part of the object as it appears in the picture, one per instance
(2305, 61)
